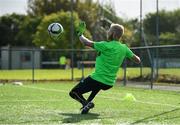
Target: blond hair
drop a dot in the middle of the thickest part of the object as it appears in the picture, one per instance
(118, 30)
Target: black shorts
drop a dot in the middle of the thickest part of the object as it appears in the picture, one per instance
(89, 84)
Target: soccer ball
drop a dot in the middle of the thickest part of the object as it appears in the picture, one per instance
(55, 30)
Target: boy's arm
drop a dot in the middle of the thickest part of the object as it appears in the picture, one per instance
(132, 56)
(86, 41)
(80, 30)
(136, 59)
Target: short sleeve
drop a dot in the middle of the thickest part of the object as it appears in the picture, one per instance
(129, 53)
(100, 46)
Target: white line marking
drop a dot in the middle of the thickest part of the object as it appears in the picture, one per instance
(30, 101)
(154, 103)
(54, 90)
(113, 98)
(151, 103)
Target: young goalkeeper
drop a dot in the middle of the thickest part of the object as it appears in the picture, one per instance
(110, 57)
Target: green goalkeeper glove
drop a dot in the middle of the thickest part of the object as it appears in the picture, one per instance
(81, 28)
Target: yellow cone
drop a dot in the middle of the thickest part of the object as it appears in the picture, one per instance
(129, 97)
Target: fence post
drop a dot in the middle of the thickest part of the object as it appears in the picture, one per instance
(141, 34)
(10, 57)
(124, 67)
(157, 38)
(72, 41)
(152, 69)
(33, 65)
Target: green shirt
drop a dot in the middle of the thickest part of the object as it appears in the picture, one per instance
(110, 58)
(62, 60)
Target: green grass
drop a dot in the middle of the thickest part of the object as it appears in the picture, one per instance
(42, 74)
(49, 103)
(57, 74)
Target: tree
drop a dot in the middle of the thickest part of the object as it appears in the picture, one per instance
(91, 12)
(87, 9)
(168, 26)
(42, 38)
(45, 7)
(9, 28)
(88, 12)
(134, 26)
(168, 38)
(27, 30)
(165, 22)
(18, 30)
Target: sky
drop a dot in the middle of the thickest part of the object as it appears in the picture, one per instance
(124, 8)
(10, 6)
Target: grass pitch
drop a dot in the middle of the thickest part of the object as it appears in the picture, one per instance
(49, 103)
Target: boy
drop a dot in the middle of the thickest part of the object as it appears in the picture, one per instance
(110, 58)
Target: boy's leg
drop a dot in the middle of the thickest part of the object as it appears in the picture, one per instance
(93, 94)
(98, 86)
(90, 105)
(81, 88)
(78, 97)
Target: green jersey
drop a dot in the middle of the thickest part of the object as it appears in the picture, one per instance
(110, 58)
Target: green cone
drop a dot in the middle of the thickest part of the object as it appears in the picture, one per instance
(129, 97)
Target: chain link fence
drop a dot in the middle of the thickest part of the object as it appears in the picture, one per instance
(160, 64)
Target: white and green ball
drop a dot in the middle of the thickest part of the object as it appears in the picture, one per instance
(55, 30)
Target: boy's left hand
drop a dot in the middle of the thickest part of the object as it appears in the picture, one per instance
(81, 28)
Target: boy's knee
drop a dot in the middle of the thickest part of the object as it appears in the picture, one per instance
(72, 94)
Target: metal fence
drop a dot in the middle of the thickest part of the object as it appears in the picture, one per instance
(159, 64)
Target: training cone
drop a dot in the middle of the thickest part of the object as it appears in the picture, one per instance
(129, 97)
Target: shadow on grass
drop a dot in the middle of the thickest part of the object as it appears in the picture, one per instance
(68, 118)
(150, 118)
(74, 118)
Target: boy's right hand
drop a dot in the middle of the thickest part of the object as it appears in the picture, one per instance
(81, 28)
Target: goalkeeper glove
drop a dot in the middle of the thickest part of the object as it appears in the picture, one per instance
(81, 28)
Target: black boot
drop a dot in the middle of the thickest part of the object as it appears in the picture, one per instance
(87, 107)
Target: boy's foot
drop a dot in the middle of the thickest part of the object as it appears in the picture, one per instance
(87, 107)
